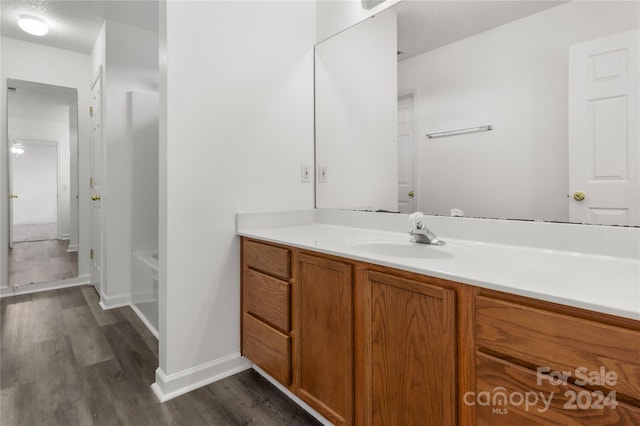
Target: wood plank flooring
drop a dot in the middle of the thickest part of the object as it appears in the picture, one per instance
(35, 232)
(41, 261)
(65, 361)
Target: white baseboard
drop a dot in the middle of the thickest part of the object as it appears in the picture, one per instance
(292, 396)
(142, 297)
(144, 319)
(117, 301)
(173, 385)
(46, 286)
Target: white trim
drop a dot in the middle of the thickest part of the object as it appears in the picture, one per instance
(170, 386)
(145, 321)
(46, 286)
(98, 79)
(117, 301)
(60, 202)
(293, 396)
(72, 248)
(143, 296)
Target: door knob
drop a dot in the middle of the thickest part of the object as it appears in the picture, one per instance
(411, 194)
(579, 196)
(95, 197)
(13, 196)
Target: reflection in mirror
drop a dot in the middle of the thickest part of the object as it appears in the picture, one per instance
(43, 182)
(556, 81)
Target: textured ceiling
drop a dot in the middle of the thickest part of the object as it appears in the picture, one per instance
(75, 24)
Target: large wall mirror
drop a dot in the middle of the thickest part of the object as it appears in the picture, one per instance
(496, 109)
(42, 128)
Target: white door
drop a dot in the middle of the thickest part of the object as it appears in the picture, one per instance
(604, 154)
(406, 188)
(12, 194)
(96, 184)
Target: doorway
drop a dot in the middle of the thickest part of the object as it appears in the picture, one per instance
(407, 188)
(604, 136)
(35, 212)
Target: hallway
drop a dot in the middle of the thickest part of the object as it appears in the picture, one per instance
(65, 361)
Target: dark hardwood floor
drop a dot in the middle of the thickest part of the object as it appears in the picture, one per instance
(65, 361)
(41, 261)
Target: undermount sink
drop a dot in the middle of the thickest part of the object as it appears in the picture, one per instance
(406, 249)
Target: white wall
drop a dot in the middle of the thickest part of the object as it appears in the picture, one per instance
(75, 184)
(42, 64)
(236, 124)
(356, 96)
(510, 77)
(99, 53)
(143, 121)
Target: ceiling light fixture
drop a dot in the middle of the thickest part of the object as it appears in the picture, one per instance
(32, 25)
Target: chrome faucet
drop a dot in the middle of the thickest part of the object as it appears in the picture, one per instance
(420, 233)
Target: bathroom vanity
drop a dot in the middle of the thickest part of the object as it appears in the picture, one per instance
(365, 336)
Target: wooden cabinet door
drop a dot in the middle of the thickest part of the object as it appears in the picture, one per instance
(324, 334)
(409, 344)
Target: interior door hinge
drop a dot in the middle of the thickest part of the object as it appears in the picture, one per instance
(91, 254)
(90, 111)
(90, 182)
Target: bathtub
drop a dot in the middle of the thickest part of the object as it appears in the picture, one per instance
(144, 288)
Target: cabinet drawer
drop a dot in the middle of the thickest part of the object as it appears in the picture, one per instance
(561, 343)
(503, 390)
(272, 260)
(268, 348)
(267, 298)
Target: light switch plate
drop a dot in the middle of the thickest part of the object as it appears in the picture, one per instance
(322, 174)
(305, 173)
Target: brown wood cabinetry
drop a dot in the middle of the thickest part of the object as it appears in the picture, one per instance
(369, 345)
(410, 351)
(324, 335)
(553, 367)
(266, 308)
(267, 347)
(270, 259)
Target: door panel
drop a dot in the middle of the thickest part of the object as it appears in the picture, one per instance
(406, 187)
(96, 184)
(604, 153)
(325, 337)
(412, 352)
(12, 197)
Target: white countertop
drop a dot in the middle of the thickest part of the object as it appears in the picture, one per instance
(599, 283)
